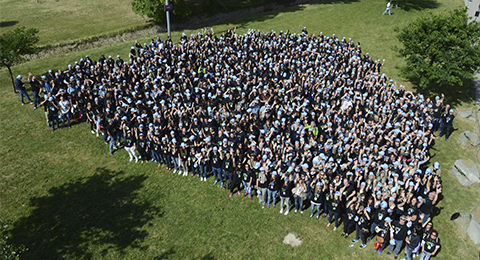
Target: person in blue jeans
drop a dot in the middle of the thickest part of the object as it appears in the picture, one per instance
(389, 6)
(20, 86)
(399, 230)
(203, 162)
(316, 201)
(247, 180)
(334, 210)
(273, 185)
(217, 165)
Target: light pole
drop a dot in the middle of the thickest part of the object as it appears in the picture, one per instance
(168, 8)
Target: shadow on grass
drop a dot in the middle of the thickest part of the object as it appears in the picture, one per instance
(454, 95)
(7, 23)
(102, 211)
(408, 5)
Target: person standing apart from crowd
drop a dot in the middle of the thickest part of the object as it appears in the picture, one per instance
(35, 87)
(447, 124)
(389, 6)
(21, 89)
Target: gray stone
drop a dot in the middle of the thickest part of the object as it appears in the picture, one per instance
(465, 219)
(463, 138)
(472, 119)
(472, 137)
(466, 114)
(464, 181)
(468, 169)
(474, 230)
(290, 239)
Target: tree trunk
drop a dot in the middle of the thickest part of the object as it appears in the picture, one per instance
(11, 77)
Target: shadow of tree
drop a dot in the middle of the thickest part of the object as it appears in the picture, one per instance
(408, 5)
(7, 23)
(103, 209)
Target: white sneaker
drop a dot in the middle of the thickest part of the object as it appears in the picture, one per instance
(93, 132)
(131, 159)
(205, 179)
(174, 171)
(281, 210)
(286, 213)
(179, 172)
(136, 160)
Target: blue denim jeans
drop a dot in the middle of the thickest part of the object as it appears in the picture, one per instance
(397, 246)
(298, 202)
(36, 98)
(317, 206)
(408, 252)
(65, 116)
(217, 172)
(24, 93)
(168, 160)
(247, 189)
(335, 215)
(111, 143)
(203, 171)
(271, 194)
(176, 163)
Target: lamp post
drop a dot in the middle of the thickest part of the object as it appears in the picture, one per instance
(168, 8)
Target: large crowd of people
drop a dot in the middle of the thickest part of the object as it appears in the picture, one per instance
(295, 118)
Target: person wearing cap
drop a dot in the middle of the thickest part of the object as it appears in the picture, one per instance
(111, 132)
(317, 198)
(285, 194)
(349, 218)
(20, 86)
(426, 205)
(52, 112)
(273, 186)
(398, 231)
(299, 193)
(217, 164)
(430, 245)
(262, 185)
(236, 179)
(335, 208)
(447, 123)
(35, 87)
(130, 145)
(413, 241)
(228, 165)
(362, 219)
(194, 161)
(141, 147)
(183, 156)
(378, 217)
(383, 235)
(65, 107)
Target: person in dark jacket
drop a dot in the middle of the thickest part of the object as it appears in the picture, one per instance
(273, 186)
(286, 194)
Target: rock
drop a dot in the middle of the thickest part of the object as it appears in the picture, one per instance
(474, 230)
(465, 219)
(468, 169)
(290, 239)
(466, 114)
(464, 181)
(472, 137)
(477, 212)
(472, 119)
(463, 138)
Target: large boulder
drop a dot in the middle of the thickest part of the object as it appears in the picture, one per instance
(466, 114)
(463, 138)
(465, 219)
(468, 169)
(474, 230)
(472, 137)
(464, 181)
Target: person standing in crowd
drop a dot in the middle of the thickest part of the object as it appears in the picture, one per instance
(299, 193)
(273, 186)
(52, 112)
(362, 218)
(20, 86)
(130, 144)
(217, 164)
(247, 180)
(35, 87)
(183, 159)
(262, 186)
(65, 107)
(236, 179)
(285, 194)
(430, 245)
(335, 208)
(413, 241)
(316, 201)
(203, 162)
(399, 230)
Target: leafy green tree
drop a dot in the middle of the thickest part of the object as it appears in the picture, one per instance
(14, 44)
(440, 49)
(155, 9)
(8, 251)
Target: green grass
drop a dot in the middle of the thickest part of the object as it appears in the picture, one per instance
(65, 21)
(68, 198)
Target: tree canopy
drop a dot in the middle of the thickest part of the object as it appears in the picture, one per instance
(14, 44)
(440, 49)
(155, 9)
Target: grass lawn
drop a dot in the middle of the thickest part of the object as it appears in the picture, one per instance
(66, 197)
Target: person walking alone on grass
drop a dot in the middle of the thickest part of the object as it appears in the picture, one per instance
(389, 6)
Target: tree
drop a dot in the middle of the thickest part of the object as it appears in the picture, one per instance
(155, 9)
(440, 49)
(14, 44)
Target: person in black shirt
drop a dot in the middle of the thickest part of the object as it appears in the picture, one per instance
(236, 179)
(216, 165)
(21, 89)
(447, 121)
(35, 87)
(335, 208)
(273, 186)
(142, 147)
(247, 180)
(399, 230)
(52, 109)
(316, 201)
(349, 218)
(362, 218)
(285, 194)
(430, 245)
(130, 146)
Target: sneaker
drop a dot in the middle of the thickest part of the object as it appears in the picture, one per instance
(362, 246)
(174, 171)
(352, 245)
(281, 210)
(395, 257)
(318, 217)
(238, 192)
(388, 253)
(324, 215)
(380, 251)
(93, 132)
(263, 206)
(354, 241)
(231, 194)
(23, 104)
(136, 160)
(179, 172)
(273, 205)
(268, 205)
(246, 193)
(221, 184)
(311, 216)
(375, 250)
(31, 103)
(215, 183)
(35, 108)
(131, 159)
(301, 212)
(296, 211)
(251, 197)
(286, 213)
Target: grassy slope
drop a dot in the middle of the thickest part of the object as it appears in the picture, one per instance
(190, 219)
(63, 21)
